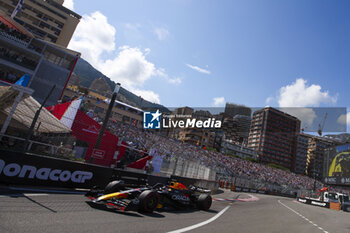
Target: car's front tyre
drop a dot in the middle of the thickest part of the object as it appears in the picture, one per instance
(149, 200)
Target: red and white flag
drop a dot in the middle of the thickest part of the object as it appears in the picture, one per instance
(66, 112)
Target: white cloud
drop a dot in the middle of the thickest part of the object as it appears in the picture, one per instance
(269, 100)
(196, 68)
(131, 26)
(130, 67)
(146, 94)
(132, 32)
(299, 94)
(161, 33)
(175, 81)
(161, 73)
(147, 51)
(69, 4)
(305, 115)
(95, 36)
(295, 98)
(219, 101)
(344, 119)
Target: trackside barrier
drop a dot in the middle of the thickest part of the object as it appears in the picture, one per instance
(312, 198)
(36, 170)
(208, 184)
(330, 205)
(129, 177)
(221, 183)
(334, 206)
(263, 191)
(246, 184)
(152, 180)
(29, 169)
(227, 185)
(313, 202)
(137, 178)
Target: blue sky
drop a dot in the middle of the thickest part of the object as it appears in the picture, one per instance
(205, 52)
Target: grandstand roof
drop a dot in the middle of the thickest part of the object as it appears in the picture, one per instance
(25, 112)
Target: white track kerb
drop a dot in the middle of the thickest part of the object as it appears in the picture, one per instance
(202, 223)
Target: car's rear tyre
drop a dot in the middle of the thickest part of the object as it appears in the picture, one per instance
(204, 202)
(114, 186)
(149, 200)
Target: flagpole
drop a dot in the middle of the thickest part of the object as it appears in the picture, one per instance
(18, 8)
(36, 116)
(105, 121)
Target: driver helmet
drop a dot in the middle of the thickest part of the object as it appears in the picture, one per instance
(177, 185)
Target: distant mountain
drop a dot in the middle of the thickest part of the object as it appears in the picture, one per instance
(88, 74)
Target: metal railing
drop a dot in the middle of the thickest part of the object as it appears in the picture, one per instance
(186, 168)
(22, 42)
(17, 144)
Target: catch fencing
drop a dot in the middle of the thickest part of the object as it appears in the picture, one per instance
(185, 168)
(246, 184)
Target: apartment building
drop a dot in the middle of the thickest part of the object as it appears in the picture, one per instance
(228, 147)
(316, 156)
(48, 20)
(46, 64)
(301, 153)
(273, 135)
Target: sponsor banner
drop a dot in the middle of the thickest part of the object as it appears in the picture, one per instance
(313, 202)
(303, 200)
(319, 203)
(29, 169)
(337, 180)
(249, 190)
(337, 165)
(98, 154)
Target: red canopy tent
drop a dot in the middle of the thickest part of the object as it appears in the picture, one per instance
(141, 163)
(87, 129)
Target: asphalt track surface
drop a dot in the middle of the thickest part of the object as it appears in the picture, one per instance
(29, 211)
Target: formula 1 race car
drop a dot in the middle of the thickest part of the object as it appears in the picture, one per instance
(147, 199)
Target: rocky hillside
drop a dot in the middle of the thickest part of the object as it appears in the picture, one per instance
(88, 74)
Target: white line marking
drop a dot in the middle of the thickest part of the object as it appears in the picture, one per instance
(202, 223)
(35, 194)
(314, 224)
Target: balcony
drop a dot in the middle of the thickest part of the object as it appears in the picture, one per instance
(13, 38)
